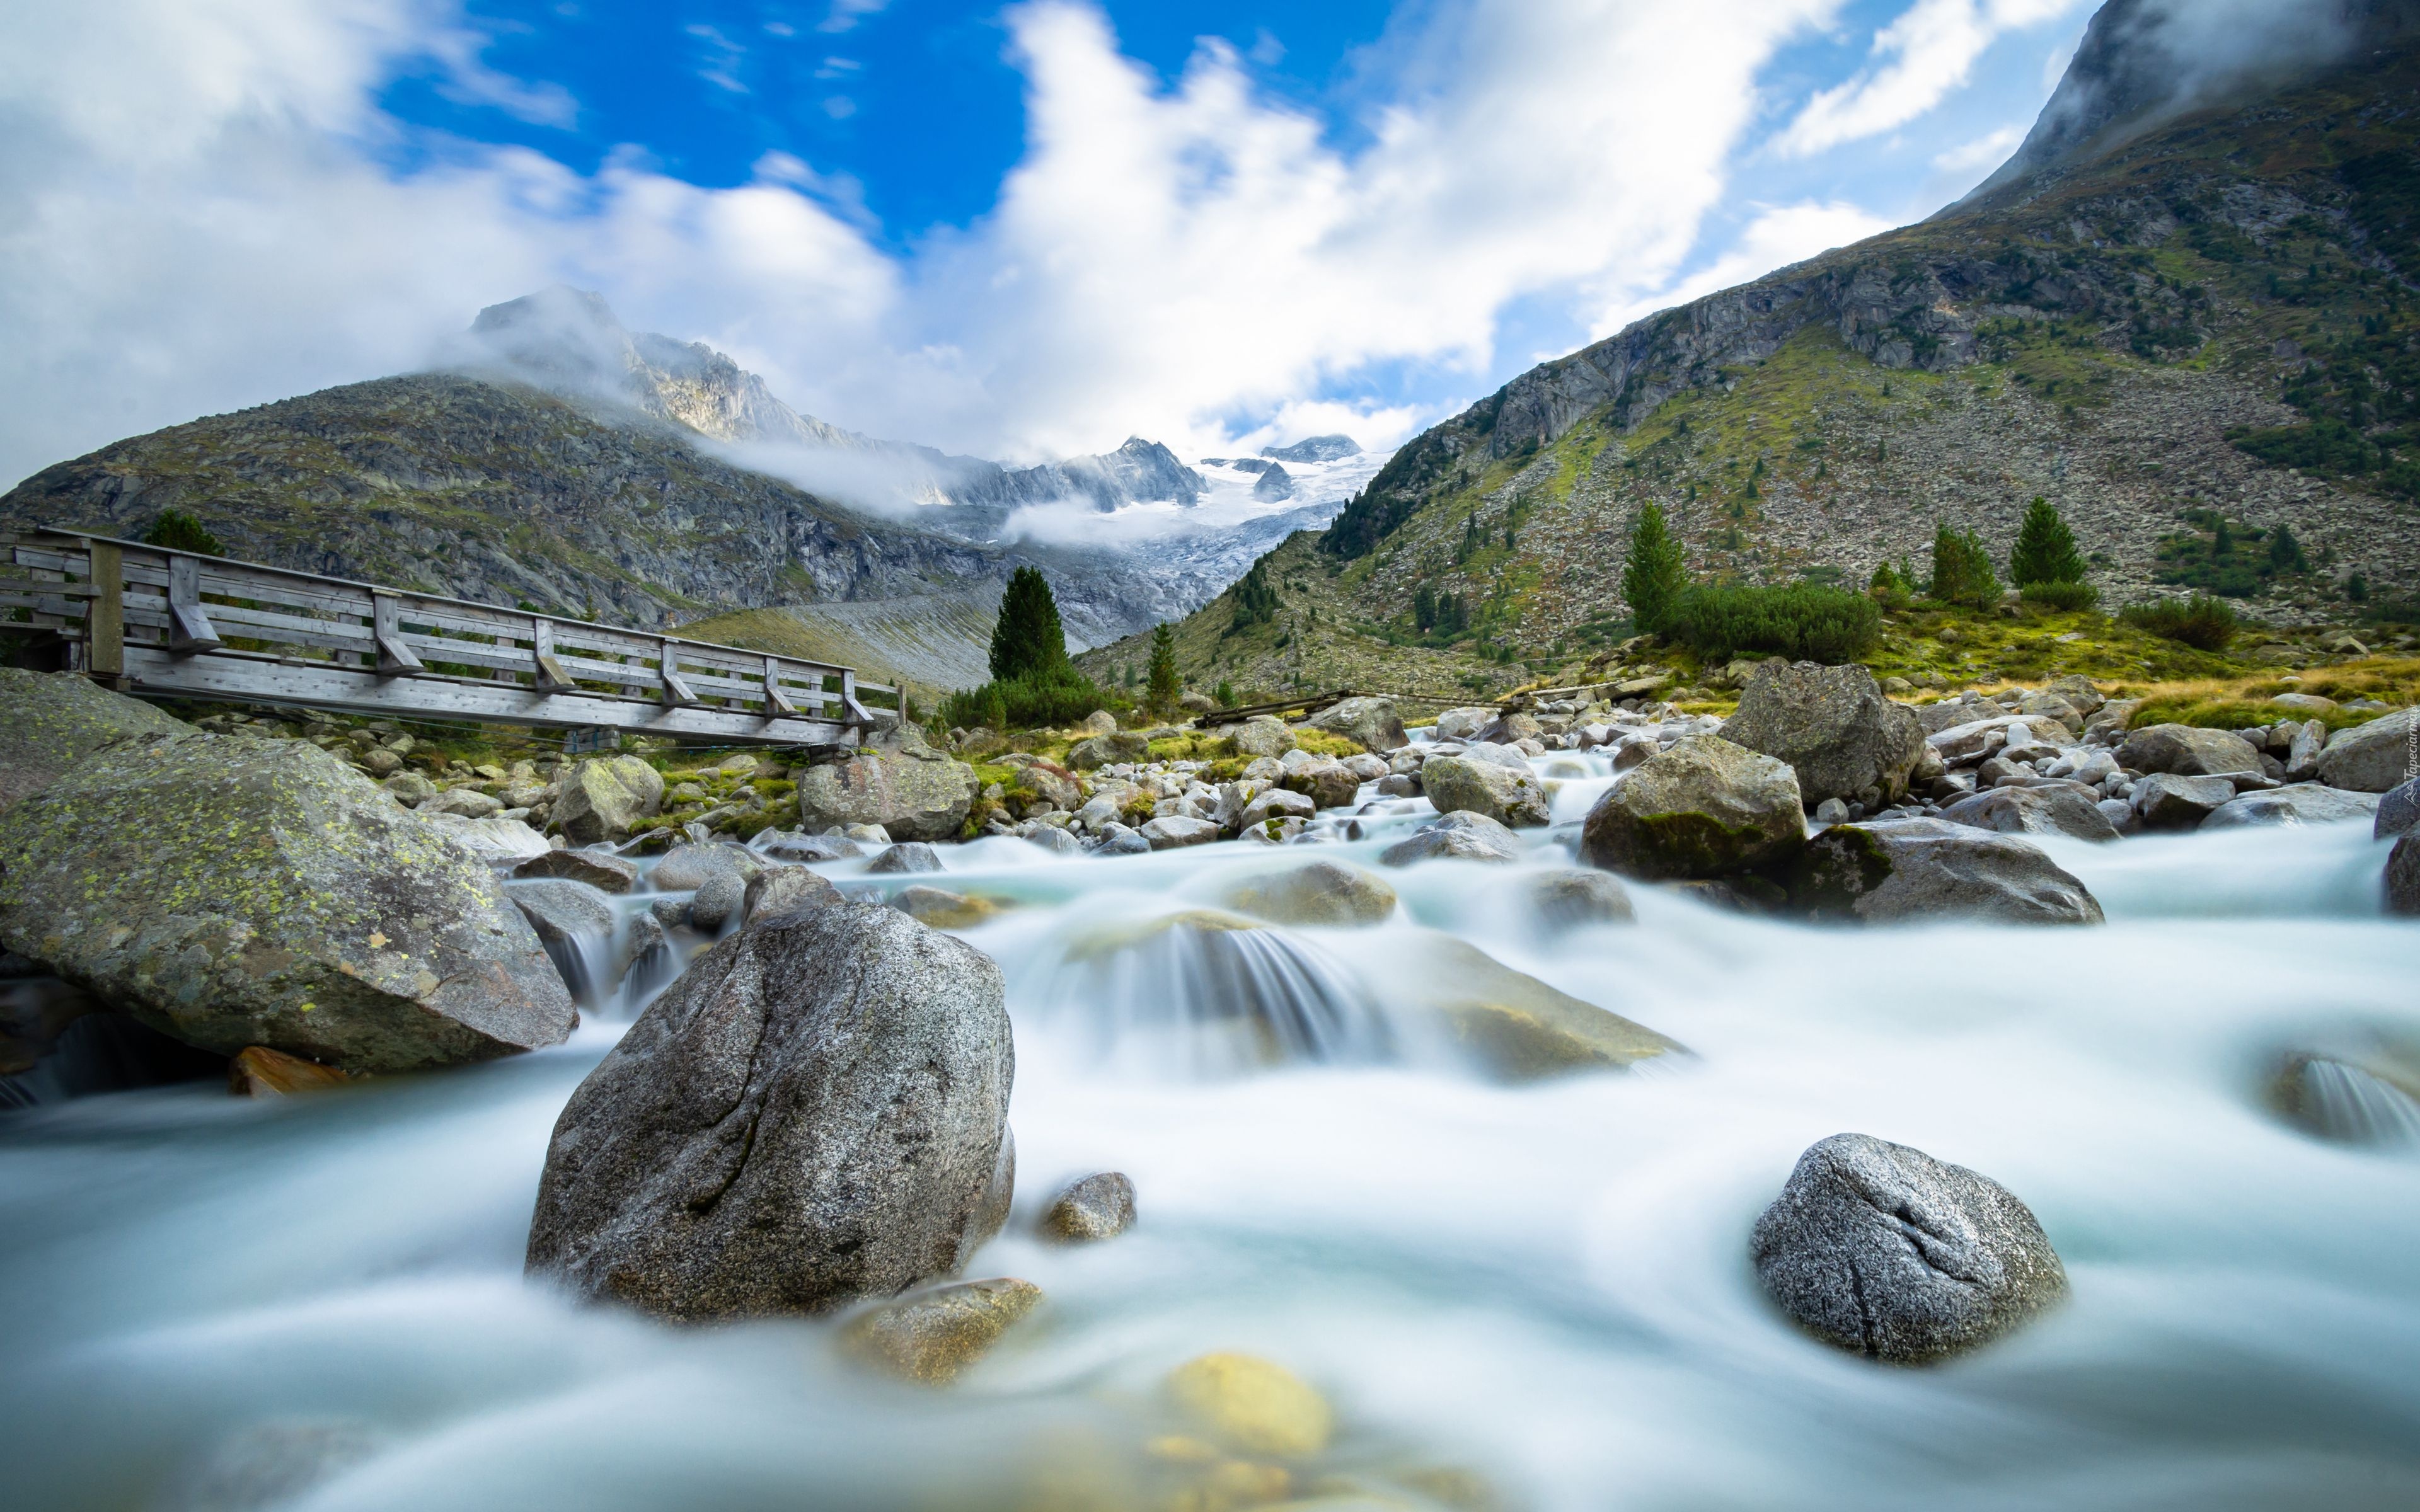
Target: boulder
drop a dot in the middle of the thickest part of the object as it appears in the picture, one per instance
(932, 1336)
(51, 721)
(906, 856)
(687, 867)
(1833, 727)
(2301, 803)
(410, 789)
(1262, 735)
(1510, 730)
(1569, 898)
(1950, 713)
(1253, 1405)
(914, 793)
(1460, 836)
(1327, 783)
(606, 798)
(466, 803)
(2054, 706)
(232, 891)
(1971, 740)
(940, 908)
(1463, 724)
(815, 1111)
(2165, 802)
(1917, 870)
(2399, 813)
(1106, 750)
(1373, 721)
(1886, 1252)
(2187, 750)
(1051, 783)
(718, 900)
(1321, 892)
(2021, 810)
(603, 871)
(1707, 808)
(1274, 803)
(2081, 695)
(494, 840)
(1101, 1206)
(1098, 722)
(2374, 757)
(2403, 876)
(1054, 839)
(1171, 832)
(564, 912)
(1468, 784)
(2358, 1088)
(1511, 1025)
(802, 848)
(781, 889)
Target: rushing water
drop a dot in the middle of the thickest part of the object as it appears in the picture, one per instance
(1543, 1285)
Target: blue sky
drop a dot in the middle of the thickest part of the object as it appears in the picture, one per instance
(1020, 230)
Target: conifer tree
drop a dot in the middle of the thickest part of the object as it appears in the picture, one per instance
(1962, 569)
(1165, 684)
(177, 530)
(2045, 550)
(1653, 574)
(1028, 638)
(2285, 552)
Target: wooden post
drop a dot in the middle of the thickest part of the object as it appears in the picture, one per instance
(189, 625)
(776, 701)
(395, 658)
(105, 615)
(552, 678)
(677, 693)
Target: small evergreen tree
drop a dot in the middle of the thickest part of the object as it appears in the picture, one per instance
(1424, 609)
(2285, 552)
(1028, 638)
(175, 530)
(1961, 570)
(1165, 684)
(1225, 694)
(1256, 602)
(995, 708)
(1653, 574)
(2045, 550)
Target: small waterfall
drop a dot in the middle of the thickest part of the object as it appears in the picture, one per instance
(585, 958)
(2345, 1103)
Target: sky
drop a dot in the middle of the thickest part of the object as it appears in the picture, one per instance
(1019, 231)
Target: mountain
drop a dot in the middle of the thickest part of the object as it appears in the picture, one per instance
(2189, 302)
(1314, 449)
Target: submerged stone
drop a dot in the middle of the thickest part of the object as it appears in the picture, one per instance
(1321, 892)
(1099, 1206)
(932, 1336)
(1253, 1404)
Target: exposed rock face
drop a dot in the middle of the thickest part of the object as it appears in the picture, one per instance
(1322, 892)
(1460, 836)
(1274, 484)
(607, 798)
(603, 871)
(2375, 757)
(2184, 750)
(2403, 876)
(232, 891)
(1371, 721)
(1101, 1206)
(1314, 449)
(1832, 725)
(51, 721)
(2302, 803)
(915, 793)
(1707, 808)
(814, 1112)
(1888, 1253)
(932, 1336)
(2033, 811)
(1462, 784)
(2399, 813)
(1913, 870)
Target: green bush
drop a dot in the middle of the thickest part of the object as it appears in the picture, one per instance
(2062, 595)
(1803, 621)
(2200, 622)
(1054, 696)
(175, 530)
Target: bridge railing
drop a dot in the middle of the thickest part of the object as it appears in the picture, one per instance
(166, 622)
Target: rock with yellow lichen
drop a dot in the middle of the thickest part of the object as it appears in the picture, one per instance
(233, 891)
(51, 721)
(932, 1335)
(1253, 1404)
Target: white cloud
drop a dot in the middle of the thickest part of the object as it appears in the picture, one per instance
(1986, 151)
(1777, 237)
(1917, 60)
(845, 14)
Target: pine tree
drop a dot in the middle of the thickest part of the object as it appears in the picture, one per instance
(2045, 550)
(177, 530)
(1028, 638)
(1256, 602)
(2285, 552)
(1165, 685)
(1961, 570)
(1424, 609)
(1655, 574)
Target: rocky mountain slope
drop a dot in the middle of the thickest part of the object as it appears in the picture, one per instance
(2169, 319)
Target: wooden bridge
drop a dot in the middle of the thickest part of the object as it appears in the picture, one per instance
(162, 624)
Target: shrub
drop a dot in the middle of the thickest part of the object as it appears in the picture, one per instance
(2200, 622)
(2062, 595)
(1055, 696)
(1652, 578)
(175, 530)
(1225, 694)
(1803, 621)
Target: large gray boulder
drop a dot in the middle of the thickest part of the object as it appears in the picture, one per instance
(1371, 721)
(1510, 795)
(914, 793)
(2403, 876)
(1971, 740)
(2399, 813)
(814, 1112)
(1105, 749)
(1886, 1252)
(2058, 810)
(2187, 750)
(1707, 808)
(51, 721)
(2167, 802)
(2374, 757)
(1460, 836)
(1832, 725)
(2301, 803)
(607, 798)
(1262, 735)
(1462, 724)
(1915, 870)
(233, 891)
(1318, 892)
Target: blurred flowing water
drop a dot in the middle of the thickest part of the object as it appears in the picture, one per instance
(318, 1302)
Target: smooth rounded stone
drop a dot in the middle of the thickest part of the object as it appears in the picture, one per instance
(931, 1337)
(1571, 897)
(814, 1112)
(1886, 1252)
(2375, 757)
(803, 848)
(1977, 738)
(1830, 811)
(2187, 750)
(495, 840)
(862, 834)
(1832, 725)
(669, 912)
(1507, 1023)
(466, 803)
(2303, 703)
(2080, 694)
(410, 789)
(2020, 810)
(1321, 892)
(2403, 876)
(257, 1070)
(914, 794)
(1932, 719)
(2301, 803)
(1262, 735)
(718, 900)
(1253, 1404)
(2054, 705)
(1276, 803)
(1099, 1206)
(379, 762)
(605, 873)
(231, 891)
(607, 798)
(2362, 1092)
(51, 721)
(687, 867)
(2398, 812)
(1633, 752)
(904, 856)
(1054, 839)
(1460, 836)
(1399, 785)
(941, 908)
(1705, 808)
(1907, 870)
(1052, 783)
(1119, 840)
(1510, 730)
(563, 910)
(2166, 802)
(1373, 721)
(1171, 832)
(2120, 815)
(1469, 784)
(1463, 723)
(2304, 748)
(1108, 749)
(1328, 783)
